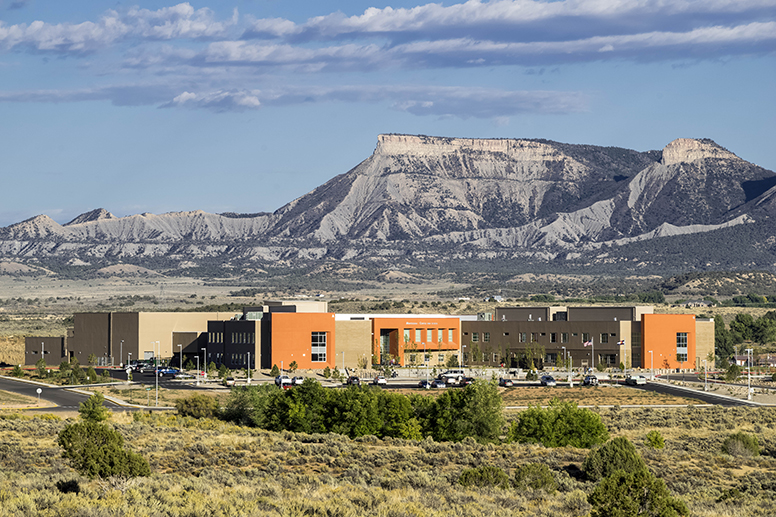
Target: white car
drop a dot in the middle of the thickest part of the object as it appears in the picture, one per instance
(547, 380)
(297, 381)
(280, 380)
(379, 381)
(635, 380)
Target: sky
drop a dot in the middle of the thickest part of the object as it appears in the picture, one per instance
(244, 105)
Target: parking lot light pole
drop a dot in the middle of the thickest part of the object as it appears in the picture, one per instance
(121, 354)
(204, 361)
(652, 365)
(180, 347)
(749, 373)
(565, 363)
(705, 375)
(156, 370)
(196, 383)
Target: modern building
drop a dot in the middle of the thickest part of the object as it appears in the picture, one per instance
(587, 337)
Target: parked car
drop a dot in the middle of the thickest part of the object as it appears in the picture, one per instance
(394, 374)
(438, 383)
(297, 381)
(353, 381)
(183, 375)
(547, 380)
(379, 381)
(590, 380)
(282, 380)
(506, 383)
(634, 380)
(229, 381)
(466, 381)
(168, 371)
(424, 384)
(147, 368)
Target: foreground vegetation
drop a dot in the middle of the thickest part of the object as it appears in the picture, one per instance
(204, 466)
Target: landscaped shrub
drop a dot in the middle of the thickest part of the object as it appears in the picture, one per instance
(618, 454)
(628, 494)
(561, 424)
(275, 371)
(475, 411)
(484, 476)
(537, 476)
(197, 406)
(741, 444)
(93, 410)
(17, 371)
(655, 439)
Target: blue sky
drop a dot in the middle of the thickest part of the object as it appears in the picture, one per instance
(243, 106)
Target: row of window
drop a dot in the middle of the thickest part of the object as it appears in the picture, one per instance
(428, 334)
(522, 337)
(318, 347)
(242, 338)
(413, 358)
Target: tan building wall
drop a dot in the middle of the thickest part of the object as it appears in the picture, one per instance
(354, 338)
(704, 342)
(158, 327)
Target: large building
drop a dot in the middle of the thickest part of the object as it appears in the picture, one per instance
(587, 337)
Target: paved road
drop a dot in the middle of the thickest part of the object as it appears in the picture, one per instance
(64, 399)
(708, 398)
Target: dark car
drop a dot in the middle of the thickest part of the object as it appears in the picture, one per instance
(547, 380)
(438, 383)
(353, 381)
(506, 383)
(424, 384)
(590, 380)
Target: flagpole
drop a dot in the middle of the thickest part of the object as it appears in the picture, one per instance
(592, 343)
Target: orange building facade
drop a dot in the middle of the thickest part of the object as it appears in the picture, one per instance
(305, 337)
(413, 340)
(669, 341)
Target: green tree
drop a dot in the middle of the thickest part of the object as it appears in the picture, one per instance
(92, 360)
(733, 372)
(618, 454)
(326, 372)
(275, 371)
(655, 440)
(398, 417)
(354, 412)
(742, 328)
(96, 450)
(91, 374)
(451, 361)
(475, 411)
(40, 365)
(628, 494)
(17, 371)
(293, 366)
(93, 409)
(561, 424)
(303, 409)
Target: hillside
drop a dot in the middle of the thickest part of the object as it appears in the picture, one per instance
(422, 201)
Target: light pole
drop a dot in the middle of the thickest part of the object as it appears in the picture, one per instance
(463, 357)
(196, 383)
(652, 365)
(204, 362)
(43, 351)
(705, 376)
(749, 373)
(565, 363)
(121, 354)
(249, 368)
(180, 347)
(156, 370)
(129, 358)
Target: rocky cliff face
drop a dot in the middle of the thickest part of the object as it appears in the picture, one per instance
(518, 198)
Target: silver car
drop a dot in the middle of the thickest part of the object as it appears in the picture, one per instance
(547, 380)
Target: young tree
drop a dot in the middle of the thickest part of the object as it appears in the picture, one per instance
(616, 455)
(96, 450)
(475, 411)
(40, 365)
(293, 366)
(93, 409)
(275, 371)
(562, 424)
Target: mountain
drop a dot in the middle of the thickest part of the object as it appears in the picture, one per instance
(434, 200)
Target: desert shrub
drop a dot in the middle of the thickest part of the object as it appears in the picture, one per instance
(91, 374)
(733, 372)
(561, 424)
(484, 476)
(626, 494)
(17, 371)
(197, 406)
(655, 440)
(96, 450)
(618, 454)
(93, 410)
(741, 444)
(275, 371)
(537, 476)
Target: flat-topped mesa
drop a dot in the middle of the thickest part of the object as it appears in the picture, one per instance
(421, 145)
(685, 150)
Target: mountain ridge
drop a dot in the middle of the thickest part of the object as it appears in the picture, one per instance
(429, 199)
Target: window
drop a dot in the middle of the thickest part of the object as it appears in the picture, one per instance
(681, 358)
(406, 336)
(534, 337)
(441, 358)
(429, 336)
(475, 337)
(551, 358)
(417, 335)
(318, 347)
(426, 357)
(585, 337)
(681, 340)
(553, 337)
(604, 338)
(564, 337)
(450, 335)
(413, 358)
(440, 333)
(506, 333)
(486, 337)
(521, 337)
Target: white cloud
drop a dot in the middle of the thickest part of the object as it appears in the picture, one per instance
(178, 22)
(220, 101)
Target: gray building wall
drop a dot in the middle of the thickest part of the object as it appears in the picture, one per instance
(52, 349)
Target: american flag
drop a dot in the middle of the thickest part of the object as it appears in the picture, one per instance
(588, 343)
